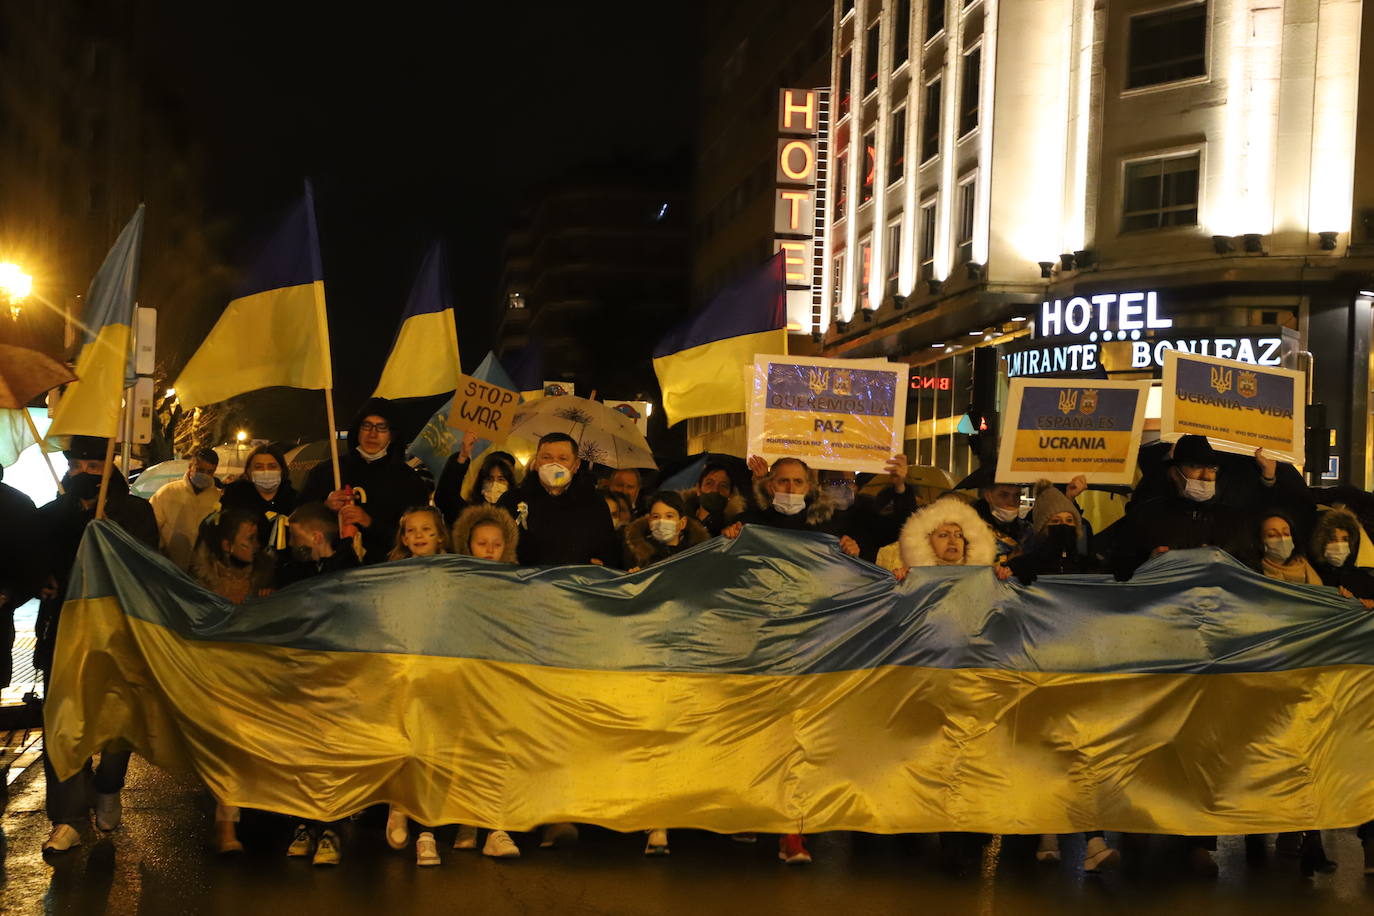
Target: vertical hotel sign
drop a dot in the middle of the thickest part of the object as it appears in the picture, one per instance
(799, 201)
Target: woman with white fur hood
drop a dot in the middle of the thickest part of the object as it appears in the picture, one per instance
(948, 532)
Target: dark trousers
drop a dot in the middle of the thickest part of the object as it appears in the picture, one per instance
(69, 801)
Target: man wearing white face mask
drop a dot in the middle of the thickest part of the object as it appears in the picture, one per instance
(562, 517)
(999, 504)
(182, 504)
(789, 496)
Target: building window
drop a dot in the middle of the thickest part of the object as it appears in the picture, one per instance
(1167, 46)
(846, 7)
(901, 33)
(935, 18)
(838, 268)
(930, 122)
(871, 61)
(968, 200)
(892, 251)
(515, 300)
(841, 184)
(870, 166)
(971, 90)
(1160, 193)
(928, 240)
(846, 84)
(866, 268)
(896, 146)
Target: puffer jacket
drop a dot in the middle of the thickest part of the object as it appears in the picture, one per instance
(642, 550)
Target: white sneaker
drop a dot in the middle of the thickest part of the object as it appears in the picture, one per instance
(499, 845)
(558, 835)
(301, 842)
(397, 829)
(426, 850)
(657, 844)
(1049, 848)
(62, 838)
(109, 811)
(1099, 856)
(467, 837)
(327, 850)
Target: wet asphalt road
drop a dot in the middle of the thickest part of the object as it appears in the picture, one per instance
(159, 862)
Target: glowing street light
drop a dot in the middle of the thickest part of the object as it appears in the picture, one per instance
(15, 286)
(241, 436)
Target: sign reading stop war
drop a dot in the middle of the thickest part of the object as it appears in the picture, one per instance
(483, 408)
(843, 415)
(1060, 429)
(1238, 406)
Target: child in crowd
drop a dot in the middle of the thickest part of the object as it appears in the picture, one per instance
(420, 533)
(315, 549)
(229, 562)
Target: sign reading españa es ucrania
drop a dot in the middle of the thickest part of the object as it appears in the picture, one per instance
(1060, 429)
(844, 415)
(1239, 406)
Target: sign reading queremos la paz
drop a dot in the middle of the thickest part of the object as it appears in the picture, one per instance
(1061, 429)
(843, 415)
(1125, 332)
(1239, 407)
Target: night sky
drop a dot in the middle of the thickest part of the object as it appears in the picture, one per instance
(419, 122)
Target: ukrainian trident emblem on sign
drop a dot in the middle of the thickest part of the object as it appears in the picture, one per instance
(818, 380)
(1068, 400)
(1222, 379)
(1247, 384)
(1089, 403)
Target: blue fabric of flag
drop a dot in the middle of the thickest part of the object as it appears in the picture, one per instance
(291, 256)
(755, 303)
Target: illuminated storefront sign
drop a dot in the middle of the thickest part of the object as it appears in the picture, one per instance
(798, 202)
(1125, 332)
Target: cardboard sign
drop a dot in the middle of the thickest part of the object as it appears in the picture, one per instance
(483, 408)
(1058, 429)
(835, 414)
(1238, 406)
(637, 412)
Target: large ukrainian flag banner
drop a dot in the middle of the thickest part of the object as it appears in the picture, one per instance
(700, 363)
(424, 357)
(90, 406)
(767, 683)
(275, 331)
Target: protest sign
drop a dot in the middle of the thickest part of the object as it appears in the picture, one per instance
(844, 415)
(483, 408)
(1238, 406)
(1058, 429)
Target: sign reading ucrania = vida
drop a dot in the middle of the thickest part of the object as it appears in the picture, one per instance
(1061, 429)
(483, 408)
(842, 415)
(1239, 406)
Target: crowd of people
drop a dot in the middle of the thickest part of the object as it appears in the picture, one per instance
(257, 534)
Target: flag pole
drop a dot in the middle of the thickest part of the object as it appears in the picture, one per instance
(47, 459)
(333, 437)
(105, 477)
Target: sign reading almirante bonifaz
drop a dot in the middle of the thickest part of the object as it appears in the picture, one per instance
(843, 415)
(1239, 406)
(1062, 429)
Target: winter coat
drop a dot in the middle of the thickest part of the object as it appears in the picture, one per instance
(242, 494)
(875, 521)
(571, 527)
(819, 514)
(180, 510)
(1179, 523)
(486, 514)
(19, 568)
(61, 525)
(642, 549)
(716, 522)
(228, 580)
(294, 571)
(389, 486)
(980, 545)
(1011, 536)
(1042, 559)
(1327, 523)
(448, 495)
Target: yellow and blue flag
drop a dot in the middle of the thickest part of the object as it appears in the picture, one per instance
(437, 440)
(275, 331)
(424, 357)
(700, 362)
(526, 370)
(768, 683)
(104, 366)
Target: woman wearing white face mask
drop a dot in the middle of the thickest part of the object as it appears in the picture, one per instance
(494, 485)
(1334, 545)
(264, 490)
(1282, 558)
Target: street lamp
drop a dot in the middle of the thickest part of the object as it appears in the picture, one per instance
(15, 286)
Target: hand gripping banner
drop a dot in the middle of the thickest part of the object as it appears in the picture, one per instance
(763, 684)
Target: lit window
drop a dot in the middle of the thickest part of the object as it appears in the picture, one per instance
(896, 145)
(928, 240)
(845, 84)
(870, 166)
(867, 271)
(1160, 193)
(970, 91)
(838, 268)
(515, 300)
(841, 184)
(930, 122)
(1167, 46)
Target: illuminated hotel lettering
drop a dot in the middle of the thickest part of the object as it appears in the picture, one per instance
(1103, 312)
(801, 125)
(1053, 358)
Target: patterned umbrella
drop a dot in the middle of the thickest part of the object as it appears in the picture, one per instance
(25, 374)
(604, 435)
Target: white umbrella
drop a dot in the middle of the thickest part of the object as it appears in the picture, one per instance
(603, 435)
